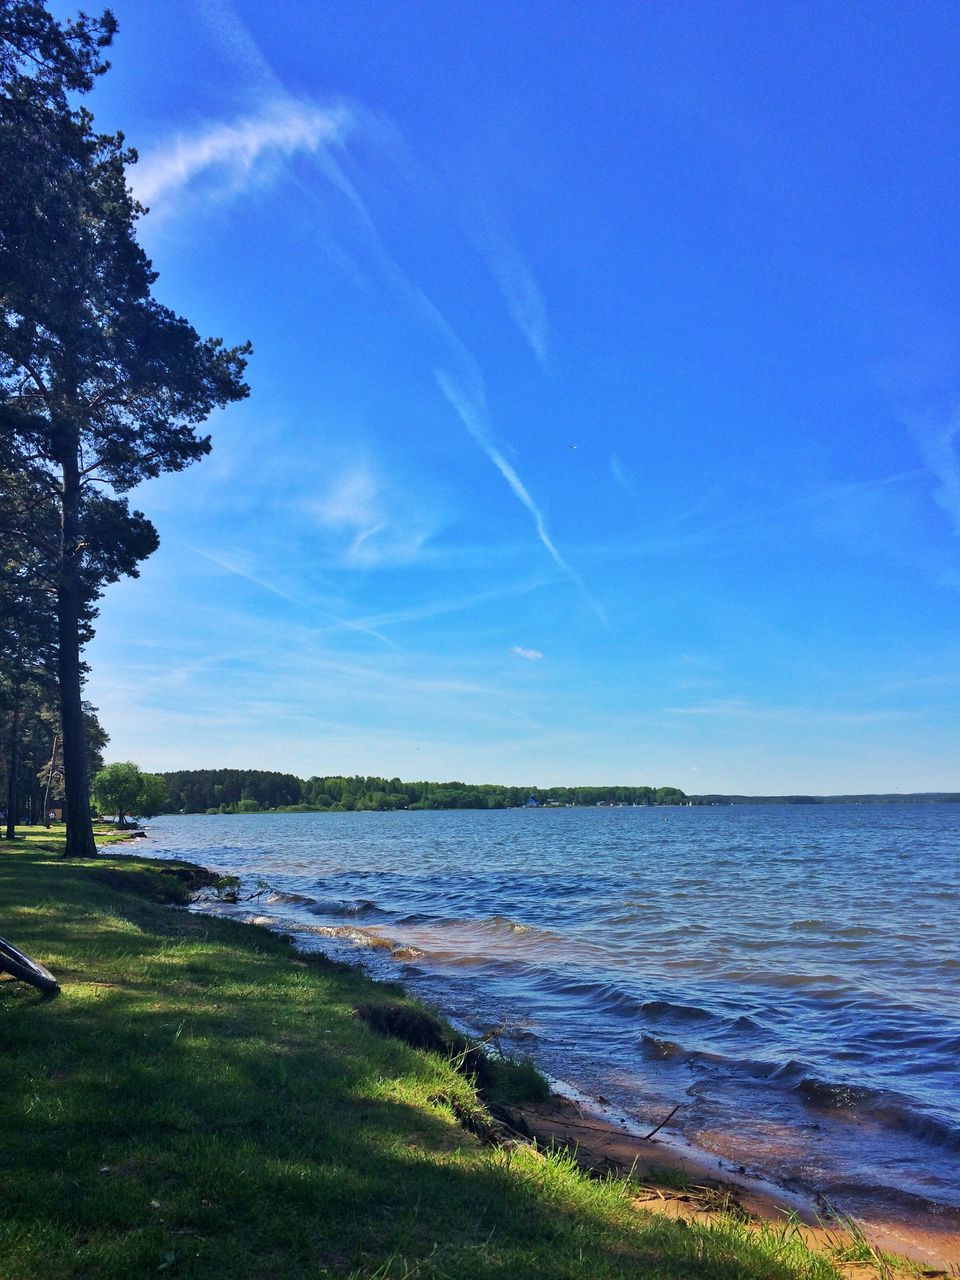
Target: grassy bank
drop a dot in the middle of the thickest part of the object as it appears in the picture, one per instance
(203, 1101)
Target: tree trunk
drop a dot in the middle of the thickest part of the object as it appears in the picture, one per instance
(13, 765)
(80, 842)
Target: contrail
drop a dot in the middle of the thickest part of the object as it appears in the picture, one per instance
(473, 415)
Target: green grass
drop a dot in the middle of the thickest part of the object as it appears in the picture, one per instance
(54, 837)
(846, 1243)
(201, 1101)
(669, 1177)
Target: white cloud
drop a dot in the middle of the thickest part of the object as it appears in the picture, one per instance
(353, 500)
(454, 604)
(237, 43)
(531, 655)
(230, 154)
(233, 565)
(237, 565)
(381, 525)
(940, 447)
(465, 392)
(739, 709)
(472, 411)
(520, 290)
(620, 476)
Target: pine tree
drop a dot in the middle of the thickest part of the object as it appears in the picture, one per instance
(101, 386)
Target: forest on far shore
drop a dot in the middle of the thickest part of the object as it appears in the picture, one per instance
(263, 791)
(258, 791)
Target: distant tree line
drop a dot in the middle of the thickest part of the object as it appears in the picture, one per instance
(230, 790)
(255, 791)
(260, 791)
(892, 797)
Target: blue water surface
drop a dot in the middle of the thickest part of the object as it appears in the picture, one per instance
(788, 975)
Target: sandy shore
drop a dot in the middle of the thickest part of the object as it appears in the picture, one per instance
(602, 1144)
(604, 1140)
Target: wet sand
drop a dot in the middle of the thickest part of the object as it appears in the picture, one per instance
(606, 1141)
(602, 1143)
(603, 1140)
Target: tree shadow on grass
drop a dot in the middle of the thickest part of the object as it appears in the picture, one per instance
(198, 1103)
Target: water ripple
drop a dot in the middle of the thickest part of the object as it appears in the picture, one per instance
(787, 970)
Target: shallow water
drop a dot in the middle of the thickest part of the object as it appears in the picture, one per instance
(788, 975)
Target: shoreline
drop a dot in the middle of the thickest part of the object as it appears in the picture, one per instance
(205, 1097)
(604, 1142)
(601, 1145)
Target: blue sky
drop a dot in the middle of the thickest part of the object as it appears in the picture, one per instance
(604, 422)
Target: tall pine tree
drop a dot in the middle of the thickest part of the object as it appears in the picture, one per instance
(100, 384)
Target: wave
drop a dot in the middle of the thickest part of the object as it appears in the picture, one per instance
(943, 1049)
(825, 985)
(860, 1103)
(607, 998)
(277, 898)
(504, 925)
(677, 1012)
(745, 1023)
(828, 1095)
(900, 1115)
(364, 938)
(451, 931)
(345, 907)
(656, 1048)
(602, 997)
(844, 1100)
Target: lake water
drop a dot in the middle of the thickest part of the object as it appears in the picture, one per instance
(790, 976)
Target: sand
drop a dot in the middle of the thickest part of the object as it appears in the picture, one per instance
(603, 1144)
